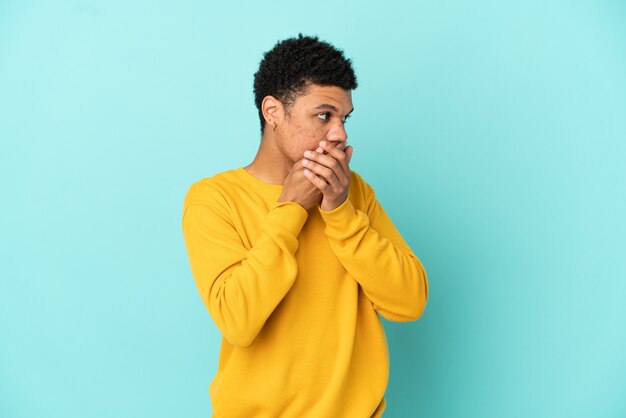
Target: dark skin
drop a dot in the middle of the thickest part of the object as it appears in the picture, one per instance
(315, 123)
(330, 173)
(297, 188)
(321, 177)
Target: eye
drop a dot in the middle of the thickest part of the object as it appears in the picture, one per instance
(327, 114)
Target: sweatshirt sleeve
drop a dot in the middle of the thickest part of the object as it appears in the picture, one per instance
(372, 250)
(240, 287)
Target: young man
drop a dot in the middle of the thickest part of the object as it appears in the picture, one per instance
(294, 257)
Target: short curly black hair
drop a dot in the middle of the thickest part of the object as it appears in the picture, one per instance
(286, 70)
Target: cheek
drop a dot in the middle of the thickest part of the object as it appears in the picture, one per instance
(306, 139)
(301, 134)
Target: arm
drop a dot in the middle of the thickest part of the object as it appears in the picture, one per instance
(240, 287)
(372, 250)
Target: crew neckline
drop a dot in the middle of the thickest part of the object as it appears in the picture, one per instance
(258, 184)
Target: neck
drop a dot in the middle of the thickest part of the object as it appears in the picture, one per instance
(270, 164)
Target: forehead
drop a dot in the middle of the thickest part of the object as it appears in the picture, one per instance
(333, 95)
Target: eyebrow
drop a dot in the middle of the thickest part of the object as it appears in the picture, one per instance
(329, 106)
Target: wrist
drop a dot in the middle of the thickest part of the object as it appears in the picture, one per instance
(330, 206)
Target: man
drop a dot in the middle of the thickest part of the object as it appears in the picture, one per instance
(294, 257)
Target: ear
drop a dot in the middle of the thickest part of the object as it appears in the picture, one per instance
(272, 110)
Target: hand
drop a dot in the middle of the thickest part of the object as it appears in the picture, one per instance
(297, 188)
(329, 172)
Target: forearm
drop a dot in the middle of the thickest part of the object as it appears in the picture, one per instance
(374, 253)
(241, 287)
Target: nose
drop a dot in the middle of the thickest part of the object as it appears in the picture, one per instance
(337, 134)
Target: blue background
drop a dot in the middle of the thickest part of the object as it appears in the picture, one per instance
(493, 132)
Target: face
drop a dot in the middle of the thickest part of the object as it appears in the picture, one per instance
(319, 114)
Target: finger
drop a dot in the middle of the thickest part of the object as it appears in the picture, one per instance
(298, 164)
(323, 158)
(326, 173)
(337, 154)
(316, 180)
(327, 162)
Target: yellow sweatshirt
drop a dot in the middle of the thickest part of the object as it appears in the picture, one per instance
(295, 294)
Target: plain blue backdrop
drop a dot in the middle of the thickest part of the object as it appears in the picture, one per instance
(493, 132)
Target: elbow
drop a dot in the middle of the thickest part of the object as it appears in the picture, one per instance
(418, 307)
(417, 297)
(412, 310)
(420, 299)
(239, 339)
(230, 317)
(237, 332)
(413, 303)
(420, 295)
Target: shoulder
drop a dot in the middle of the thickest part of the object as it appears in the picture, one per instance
(360, 185)
(209, 190)
(361, 193)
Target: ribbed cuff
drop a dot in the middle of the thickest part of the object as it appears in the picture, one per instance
(340, 216)
(289, 216)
